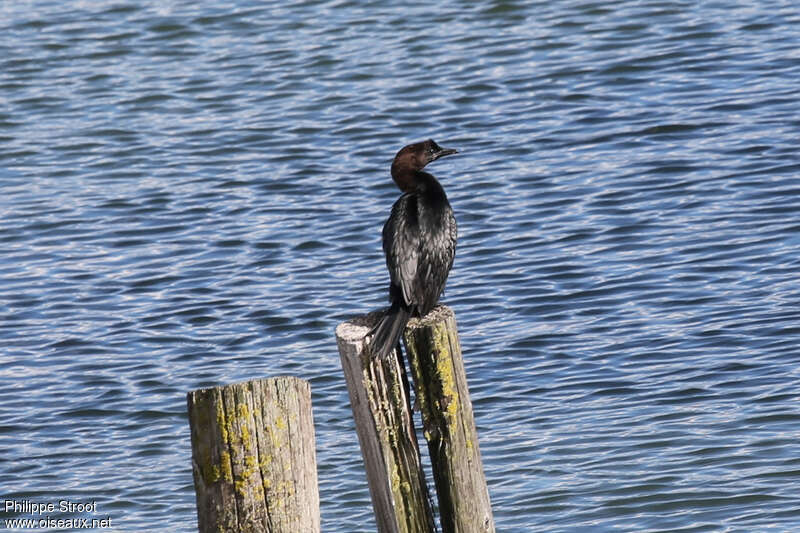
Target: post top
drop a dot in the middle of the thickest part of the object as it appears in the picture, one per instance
(357, 327)
(438, 314)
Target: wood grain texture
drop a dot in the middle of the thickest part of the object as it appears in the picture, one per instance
(434, 354)
(385, 432)
(254, 458)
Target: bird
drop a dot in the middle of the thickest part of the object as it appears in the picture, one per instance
(419, 241)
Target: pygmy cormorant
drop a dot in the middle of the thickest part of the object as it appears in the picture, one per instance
(419, 240)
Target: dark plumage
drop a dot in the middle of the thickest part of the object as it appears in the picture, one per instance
(419, 241)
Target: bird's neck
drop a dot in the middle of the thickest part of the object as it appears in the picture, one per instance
(404, 177)
(431, 196)
(411, 180)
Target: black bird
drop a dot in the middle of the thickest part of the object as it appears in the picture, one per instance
(419, 241)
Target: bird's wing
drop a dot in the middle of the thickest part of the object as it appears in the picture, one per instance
(434, 264)
(401, 244)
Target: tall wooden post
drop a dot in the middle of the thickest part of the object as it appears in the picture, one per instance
(386, 433)
(434, 354)
(254, 458)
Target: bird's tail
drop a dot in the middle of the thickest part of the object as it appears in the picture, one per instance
(388, 331)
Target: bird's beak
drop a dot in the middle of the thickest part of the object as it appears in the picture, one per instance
(443, 152)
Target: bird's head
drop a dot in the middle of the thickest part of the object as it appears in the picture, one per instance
(415, 157)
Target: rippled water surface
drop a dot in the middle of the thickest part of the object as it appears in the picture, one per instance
(192, 194)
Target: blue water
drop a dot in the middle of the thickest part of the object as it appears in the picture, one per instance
(192, 194)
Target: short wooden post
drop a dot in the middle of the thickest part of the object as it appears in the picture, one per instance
(434, 354)
(386, 433)
(254, 458)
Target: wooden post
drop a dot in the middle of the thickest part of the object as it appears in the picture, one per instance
(434, 354)
(386, 433)
(254, 458)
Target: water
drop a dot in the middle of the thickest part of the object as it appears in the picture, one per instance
(192, 195)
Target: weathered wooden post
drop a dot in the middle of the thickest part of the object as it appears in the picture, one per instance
(434, 354)
(254, 458)
(386, 433)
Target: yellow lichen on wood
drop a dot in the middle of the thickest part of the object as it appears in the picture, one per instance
(236, 465)
(274, 437)
(386, 434)
(435, 356)
(266, 461)
(243, 480)
(221, 421)
(243, 414)
(395, 477)
(444, 371)
(225, 460)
